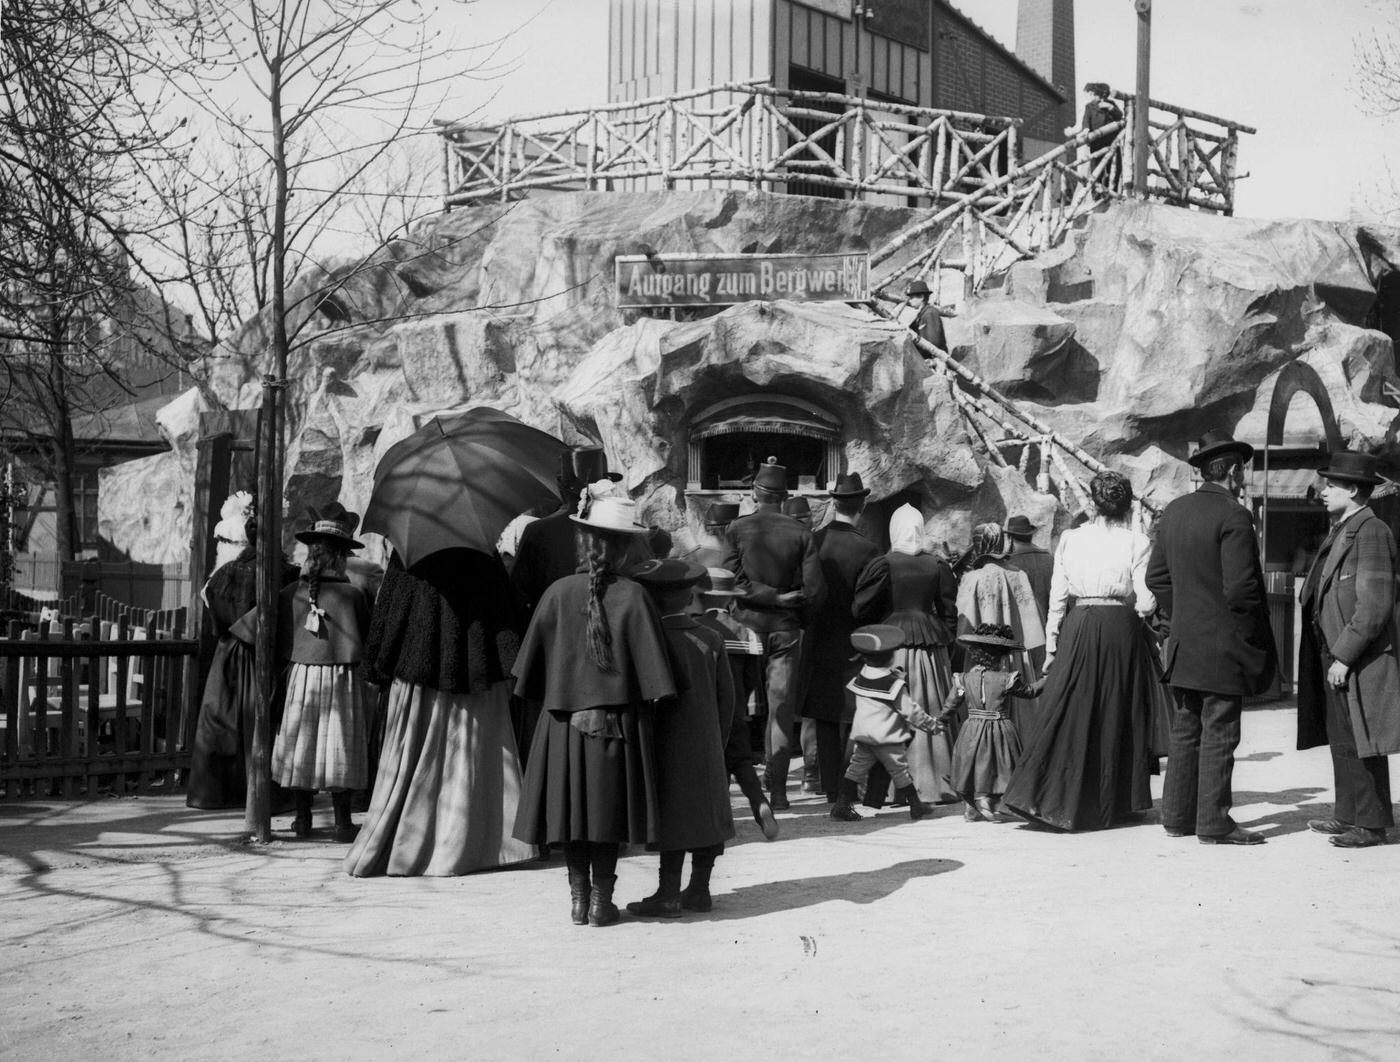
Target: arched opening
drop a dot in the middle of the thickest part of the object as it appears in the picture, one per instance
(730, 439)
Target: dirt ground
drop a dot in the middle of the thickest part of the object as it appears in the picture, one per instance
(134, 928)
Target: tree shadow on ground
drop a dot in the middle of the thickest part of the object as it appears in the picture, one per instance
(861, 886)
(1295, 810)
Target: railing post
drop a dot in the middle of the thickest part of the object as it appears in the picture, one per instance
(666, 144)
(507, 150)
(1227, 170)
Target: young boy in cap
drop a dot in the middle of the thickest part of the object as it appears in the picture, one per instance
(885, 720)
(715, 596)
(692, 785)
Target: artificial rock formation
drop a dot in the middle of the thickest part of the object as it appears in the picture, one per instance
(1146, 327)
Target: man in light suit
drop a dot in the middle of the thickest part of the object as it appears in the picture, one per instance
(1349, 680)
(1206, 575)
(779, 576)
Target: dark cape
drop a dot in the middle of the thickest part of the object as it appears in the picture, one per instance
(223, 733)
(452, 622)
(592, 788)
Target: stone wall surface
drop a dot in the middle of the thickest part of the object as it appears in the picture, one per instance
(1147, 326)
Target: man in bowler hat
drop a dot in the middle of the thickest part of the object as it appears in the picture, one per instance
(928, 317)
(776, 568)
(857, 575)
(1206, 575)
(1026, 556)
(1348, 678)
(547, 552)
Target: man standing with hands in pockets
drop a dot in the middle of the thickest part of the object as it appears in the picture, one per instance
(1348, 677)
(1206, 576)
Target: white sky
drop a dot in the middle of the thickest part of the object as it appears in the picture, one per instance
(1283, 66)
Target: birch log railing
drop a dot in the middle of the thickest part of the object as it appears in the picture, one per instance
(732, 135)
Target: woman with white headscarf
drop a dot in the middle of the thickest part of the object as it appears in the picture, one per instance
(923, 596)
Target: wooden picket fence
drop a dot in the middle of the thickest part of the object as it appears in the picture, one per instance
(101, 703)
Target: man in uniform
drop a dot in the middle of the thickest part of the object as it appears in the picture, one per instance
(774, 560)
(1206, 576)
(547, 552)
(857, 577)
(1348, 679)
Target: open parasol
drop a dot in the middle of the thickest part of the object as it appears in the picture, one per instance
(459, 480)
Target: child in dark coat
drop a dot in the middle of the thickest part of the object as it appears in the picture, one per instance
(885, 720)
(988, 746)
(692, 784)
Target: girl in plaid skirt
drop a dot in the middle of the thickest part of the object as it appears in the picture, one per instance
(321, 623)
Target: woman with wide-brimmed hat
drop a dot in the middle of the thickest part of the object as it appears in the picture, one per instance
(594, 657)
(321, 622)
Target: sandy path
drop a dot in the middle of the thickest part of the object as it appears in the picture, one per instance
(135, 929)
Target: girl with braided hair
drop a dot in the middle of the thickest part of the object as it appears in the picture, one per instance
(594, 657)
(1088, 763)
(322, 618)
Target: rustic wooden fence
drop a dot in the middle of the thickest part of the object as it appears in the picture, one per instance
(99, 703)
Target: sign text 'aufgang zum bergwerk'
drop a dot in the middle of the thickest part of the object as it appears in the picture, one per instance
(722, 280)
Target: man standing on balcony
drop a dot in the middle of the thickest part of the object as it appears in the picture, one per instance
(1099, 112)
(779, 577)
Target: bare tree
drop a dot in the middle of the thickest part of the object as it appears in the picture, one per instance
(313, 95)
(72, 135)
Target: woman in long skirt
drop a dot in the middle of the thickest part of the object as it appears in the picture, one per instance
(1089, 761)
(594, 657)
(321, 624)
(443, 638)
(923, 597)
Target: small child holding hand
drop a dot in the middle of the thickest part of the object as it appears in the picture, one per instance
(885, 720)
(988, 746)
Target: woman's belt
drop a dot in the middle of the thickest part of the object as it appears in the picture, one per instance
(1101, 601)
(978, 713)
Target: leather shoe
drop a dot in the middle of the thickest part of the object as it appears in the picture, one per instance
(1332, 826)
(766, 822)
(1235, 836)
(1359, 837)
(779, 802)
(1178, 831)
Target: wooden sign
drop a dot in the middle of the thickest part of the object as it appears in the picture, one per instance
(666, 280)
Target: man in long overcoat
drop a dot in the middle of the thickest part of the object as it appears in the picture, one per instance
(857, 576)
(1206, 575)
(1348, 677)
(547, 551)
(774, 560)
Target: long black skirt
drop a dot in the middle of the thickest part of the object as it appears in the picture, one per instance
(1090, 757)
(579, 788)
(223, 734)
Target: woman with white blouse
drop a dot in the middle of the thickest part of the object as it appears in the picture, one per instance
(1089, 761)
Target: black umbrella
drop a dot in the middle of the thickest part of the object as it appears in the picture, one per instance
(458, 480)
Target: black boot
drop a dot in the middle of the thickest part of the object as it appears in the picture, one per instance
(345, 830)
(776, 778)
(696, 896)
(917, 808)
(601, 909)
(301, 823)
(847, 795)
(665, 902)
(749, 785)
(580, 882)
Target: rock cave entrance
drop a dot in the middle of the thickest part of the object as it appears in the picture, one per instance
(730, 439)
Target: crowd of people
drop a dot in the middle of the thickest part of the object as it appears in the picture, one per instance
(602, 693)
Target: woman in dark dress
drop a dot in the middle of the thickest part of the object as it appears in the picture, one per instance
(594, 657)
(924, 604)
(1089, 760)
(223, 734)
(443, 637)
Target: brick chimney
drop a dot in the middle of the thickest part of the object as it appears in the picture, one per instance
(1045, 40)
